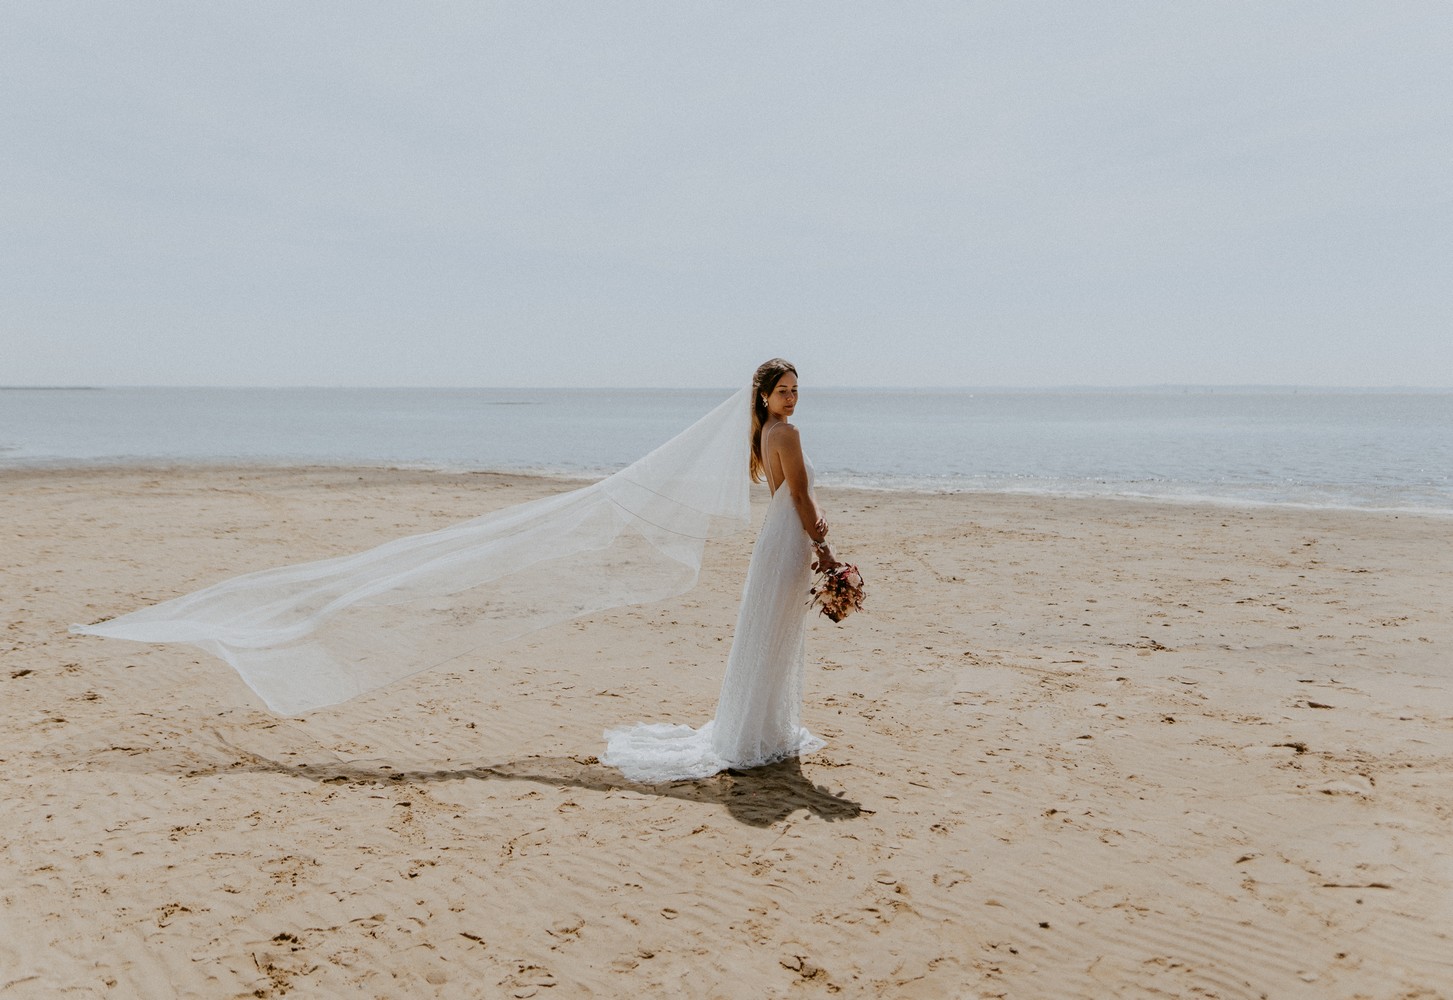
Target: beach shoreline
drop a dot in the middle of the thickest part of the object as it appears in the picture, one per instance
(570, 479)
(1076, 747)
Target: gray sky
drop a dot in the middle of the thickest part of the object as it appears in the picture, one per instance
(666, 194)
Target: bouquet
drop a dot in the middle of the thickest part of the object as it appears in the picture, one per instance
(839, 591)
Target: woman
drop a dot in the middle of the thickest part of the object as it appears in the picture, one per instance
(307, 636)
(757, 717)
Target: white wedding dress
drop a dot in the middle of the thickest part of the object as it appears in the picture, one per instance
(758, 713)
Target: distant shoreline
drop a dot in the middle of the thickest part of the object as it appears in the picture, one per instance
(546, 481)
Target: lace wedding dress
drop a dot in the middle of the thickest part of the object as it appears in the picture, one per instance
(758, 713)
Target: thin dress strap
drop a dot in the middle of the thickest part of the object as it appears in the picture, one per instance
(766, 466)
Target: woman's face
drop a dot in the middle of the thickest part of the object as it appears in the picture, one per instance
(783, 398)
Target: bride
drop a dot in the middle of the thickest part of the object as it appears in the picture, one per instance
(311, 635)
(757, 717)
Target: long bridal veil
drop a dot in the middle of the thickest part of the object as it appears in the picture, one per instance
(319, 633)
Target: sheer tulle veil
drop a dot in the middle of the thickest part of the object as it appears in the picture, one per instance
(319, 633)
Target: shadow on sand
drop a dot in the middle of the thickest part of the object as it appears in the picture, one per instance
(759, 797)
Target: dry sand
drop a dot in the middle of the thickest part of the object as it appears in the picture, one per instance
(1078, 748)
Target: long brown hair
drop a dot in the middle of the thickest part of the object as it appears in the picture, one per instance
(769, 373)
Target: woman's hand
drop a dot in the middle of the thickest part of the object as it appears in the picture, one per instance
(824, 561)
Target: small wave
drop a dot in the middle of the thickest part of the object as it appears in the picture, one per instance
(1330, 497)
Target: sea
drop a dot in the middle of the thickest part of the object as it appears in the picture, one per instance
(1371, 449)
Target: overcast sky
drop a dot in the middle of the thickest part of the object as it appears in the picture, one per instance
(617, 193)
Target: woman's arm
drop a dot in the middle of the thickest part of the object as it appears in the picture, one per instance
(787, 448)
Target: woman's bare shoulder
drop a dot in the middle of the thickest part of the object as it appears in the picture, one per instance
(782, 441)
(786, 434)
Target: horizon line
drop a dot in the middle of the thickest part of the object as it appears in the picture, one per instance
(1003, 387)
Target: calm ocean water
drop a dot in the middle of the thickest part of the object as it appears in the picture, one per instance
(1335, 448)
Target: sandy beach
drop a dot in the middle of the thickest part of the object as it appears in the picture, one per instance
(1076, 748)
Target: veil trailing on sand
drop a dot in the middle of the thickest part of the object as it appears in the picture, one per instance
(319, 633)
